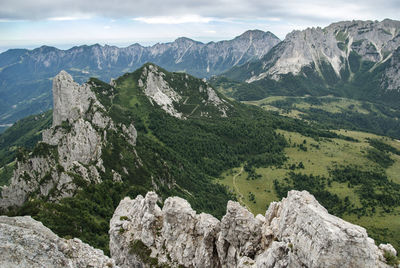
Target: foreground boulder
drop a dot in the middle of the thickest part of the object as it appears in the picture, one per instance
(296, 232)
(25, 242)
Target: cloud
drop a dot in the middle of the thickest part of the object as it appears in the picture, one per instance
(68, 18)
(173, 19)
(162, 11)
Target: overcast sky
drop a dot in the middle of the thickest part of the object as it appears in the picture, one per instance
(64, 23)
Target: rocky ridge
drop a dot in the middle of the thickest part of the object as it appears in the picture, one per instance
(25, 242)
(296, 232)
(196, 58)
(161, 90)
(69, 154)
(373, 41)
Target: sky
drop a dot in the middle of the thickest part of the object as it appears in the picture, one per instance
(66, 23)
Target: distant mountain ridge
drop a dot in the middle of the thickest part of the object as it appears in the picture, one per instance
(357, 59)
(25, 75)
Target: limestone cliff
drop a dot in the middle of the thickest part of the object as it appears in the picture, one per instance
(296, 232)
(25, 242)
(181, 95)
(336, 46)
(69, 155)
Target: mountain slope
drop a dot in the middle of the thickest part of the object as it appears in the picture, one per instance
(113, 140)
(357, 59)
(171, 133)
(25, 75)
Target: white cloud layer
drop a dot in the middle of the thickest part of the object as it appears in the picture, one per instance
(173, 19)
(160, 11)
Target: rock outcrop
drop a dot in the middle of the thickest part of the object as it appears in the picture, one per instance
(158, 90)
(25, 242)
(296, 232)
(175, 93)
(391, 77)
(69, 154)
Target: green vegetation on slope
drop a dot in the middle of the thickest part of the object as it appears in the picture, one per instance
(359, 79)
(181, 157)
(340, 175)
(335, 113)
(24, 133)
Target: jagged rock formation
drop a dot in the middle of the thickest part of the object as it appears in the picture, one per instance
(161, 90)
(25, 242)
(25, 74)
(69, 155)
(296, 232)
(357, 59)
(372, 41)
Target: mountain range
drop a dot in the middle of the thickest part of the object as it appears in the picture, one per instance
(355, 59)
(352, 59)
(25, 75)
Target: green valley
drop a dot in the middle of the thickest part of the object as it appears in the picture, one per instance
(336, 113)
(315, 165)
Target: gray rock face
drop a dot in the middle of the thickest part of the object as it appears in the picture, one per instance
(70, 99)
(371, 40)
(71, 149)
(317, 238)
(25, 242)
(160, 90)
(78, 123)
(391, 77)
(296, 232)
(22, 183)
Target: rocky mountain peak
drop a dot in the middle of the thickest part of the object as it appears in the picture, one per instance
(70, 153)
(296, 232)
(174, 91)
(182, 40)
(70, 99)
(256, 34)
(158, 90)
(333, 52)
(45, 49)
